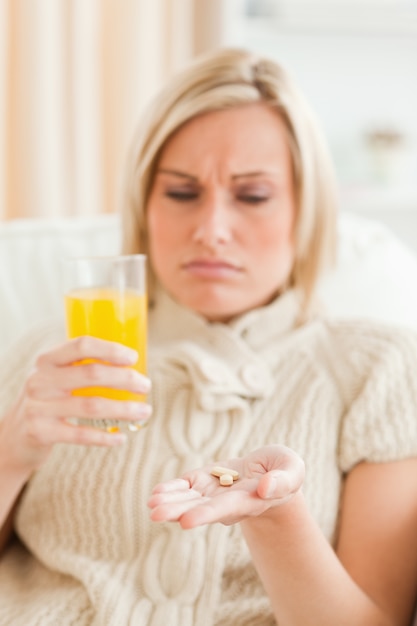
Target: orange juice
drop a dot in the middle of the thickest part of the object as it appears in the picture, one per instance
(109, 314)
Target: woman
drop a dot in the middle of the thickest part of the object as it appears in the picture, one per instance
(230, 193)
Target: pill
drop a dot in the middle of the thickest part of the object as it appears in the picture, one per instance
(226, 480)
(218, 471)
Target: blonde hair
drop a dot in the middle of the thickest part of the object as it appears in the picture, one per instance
(228, 78)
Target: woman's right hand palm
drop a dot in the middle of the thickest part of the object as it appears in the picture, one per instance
(39, 419)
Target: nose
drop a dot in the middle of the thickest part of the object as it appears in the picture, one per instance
(213, 228)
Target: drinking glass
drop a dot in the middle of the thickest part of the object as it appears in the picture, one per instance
(106, 297)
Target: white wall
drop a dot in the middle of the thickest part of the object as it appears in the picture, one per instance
(358, 69)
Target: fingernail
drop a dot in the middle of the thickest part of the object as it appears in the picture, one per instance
(139, 409)
(271, 491)
(145, 384)
(129, 356)
(278, 486)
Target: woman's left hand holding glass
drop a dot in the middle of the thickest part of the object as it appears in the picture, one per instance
(268, 477)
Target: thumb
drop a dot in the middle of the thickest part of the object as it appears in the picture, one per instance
(281, 484)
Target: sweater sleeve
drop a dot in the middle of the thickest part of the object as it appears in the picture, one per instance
(19, 359)
(380, 424)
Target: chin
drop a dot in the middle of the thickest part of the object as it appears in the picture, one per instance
(220, 304)
(220, 318)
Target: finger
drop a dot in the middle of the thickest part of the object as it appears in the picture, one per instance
(87, 347)
(99, 374)
(273, 485)
(60, 431)
(177, 484)
(94, 407)
(86, 436)
(224, 508)
(59, 382)
(173, 497)
(173, 512)
(280, 484)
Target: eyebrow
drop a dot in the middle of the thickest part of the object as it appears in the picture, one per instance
(234, 176)
(177, 173)
(252, 174)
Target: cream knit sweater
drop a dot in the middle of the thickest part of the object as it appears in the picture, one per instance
(336, 392)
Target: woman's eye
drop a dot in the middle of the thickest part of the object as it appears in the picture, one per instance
(181, 196)
(253, 199)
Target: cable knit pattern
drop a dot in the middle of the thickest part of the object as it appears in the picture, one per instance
(336, 392)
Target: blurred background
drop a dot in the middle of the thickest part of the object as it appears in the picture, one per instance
(76, 74)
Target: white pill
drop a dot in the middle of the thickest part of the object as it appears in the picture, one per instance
(218, 471)
(226, 480)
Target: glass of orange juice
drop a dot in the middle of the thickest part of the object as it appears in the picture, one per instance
(106, 297)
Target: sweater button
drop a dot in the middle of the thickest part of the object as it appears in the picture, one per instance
(254, 377)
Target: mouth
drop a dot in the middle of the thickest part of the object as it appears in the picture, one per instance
(212, 268)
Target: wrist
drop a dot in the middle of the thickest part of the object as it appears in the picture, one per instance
(10, 468)
(12, 472)
(286, 513)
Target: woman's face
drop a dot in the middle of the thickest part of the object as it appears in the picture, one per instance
(221, 212)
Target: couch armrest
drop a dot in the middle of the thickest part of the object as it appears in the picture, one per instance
(31, 251)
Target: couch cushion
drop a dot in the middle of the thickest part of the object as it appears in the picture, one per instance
(31, 251)
(375, 276)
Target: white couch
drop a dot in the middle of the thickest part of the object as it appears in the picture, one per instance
(376, 274)
(375, 277)
(31, 251)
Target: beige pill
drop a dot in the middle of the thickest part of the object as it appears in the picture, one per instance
(218, 471)
(226, 480)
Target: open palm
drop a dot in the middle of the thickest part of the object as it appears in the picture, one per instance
(268, 476)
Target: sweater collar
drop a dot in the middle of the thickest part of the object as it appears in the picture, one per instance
(171, 322)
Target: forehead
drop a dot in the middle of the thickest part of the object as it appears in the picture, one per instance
(242, 136)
